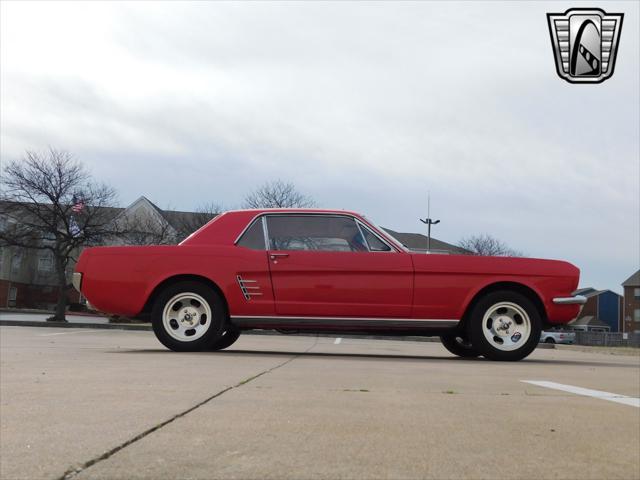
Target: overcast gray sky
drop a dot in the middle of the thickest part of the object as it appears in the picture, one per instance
(364, 106)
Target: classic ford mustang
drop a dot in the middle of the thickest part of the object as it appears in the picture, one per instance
(326, 271)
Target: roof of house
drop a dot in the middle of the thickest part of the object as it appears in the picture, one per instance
(417, 241)
(593, 292)
(588, 320)
(585, 291)
(633, 280)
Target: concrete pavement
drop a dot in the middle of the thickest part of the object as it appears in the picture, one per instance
(115, 404)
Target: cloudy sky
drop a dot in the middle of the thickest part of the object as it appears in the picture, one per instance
(365, 106)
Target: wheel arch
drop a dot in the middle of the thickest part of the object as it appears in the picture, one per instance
(146, 310)
(521, 288)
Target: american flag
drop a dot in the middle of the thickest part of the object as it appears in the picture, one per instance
(78, 204)
(74, 228)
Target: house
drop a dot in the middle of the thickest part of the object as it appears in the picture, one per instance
(589, 323)
(631, 305)
(603, 309)
(28, 277)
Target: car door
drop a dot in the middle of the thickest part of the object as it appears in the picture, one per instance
(322, 266)
(250, 293)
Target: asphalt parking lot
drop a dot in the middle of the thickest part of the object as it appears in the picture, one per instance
(105, 404)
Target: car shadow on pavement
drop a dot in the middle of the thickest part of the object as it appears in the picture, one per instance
(376, 356)
(283, 353)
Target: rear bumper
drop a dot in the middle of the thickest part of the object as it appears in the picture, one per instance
(574, 300)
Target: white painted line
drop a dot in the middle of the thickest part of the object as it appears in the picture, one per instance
(337, 341)
(71, 333)
(612, 397)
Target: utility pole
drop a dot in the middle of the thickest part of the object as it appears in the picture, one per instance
(428, 221)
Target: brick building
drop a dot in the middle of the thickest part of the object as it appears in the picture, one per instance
(631, 309)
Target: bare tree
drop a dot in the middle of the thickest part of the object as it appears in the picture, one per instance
(51, 203)
(488, 246)
(278, 194)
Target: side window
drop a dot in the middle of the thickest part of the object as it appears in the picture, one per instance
(315, 232)
(375, 244)
(253, 238)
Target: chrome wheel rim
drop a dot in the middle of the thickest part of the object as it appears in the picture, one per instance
(506, 326)
(186, 317)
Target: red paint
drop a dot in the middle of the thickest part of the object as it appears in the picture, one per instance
(396, 284)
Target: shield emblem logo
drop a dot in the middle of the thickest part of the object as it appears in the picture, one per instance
(585, 43)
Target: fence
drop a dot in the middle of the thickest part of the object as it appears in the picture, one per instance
(606, 339)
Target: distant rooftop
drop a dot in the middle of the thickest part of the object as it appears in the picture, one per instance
(417, 241)
(633, 280)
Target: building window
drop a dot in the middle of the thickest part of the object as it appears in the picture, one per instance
(45, 264)
(1, 256)
(636, 315)
(636, 293)
(16, 263)
(13, 295)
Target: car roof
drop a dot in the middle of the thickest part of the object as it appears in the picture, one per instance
(258, 211)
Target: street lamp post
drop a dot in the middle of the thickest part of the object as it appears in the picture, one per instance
(428, 221)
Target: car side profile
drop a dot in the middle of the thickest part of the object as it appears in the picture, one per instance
(326, 271)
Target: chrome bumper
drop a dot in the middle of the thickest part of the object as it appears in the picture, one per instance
(575, 300)
(76, 280)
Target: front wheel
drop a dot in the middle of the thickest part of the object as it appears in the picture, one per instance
(459, 346)
(549, 340)
(505, 325)
(188, 317)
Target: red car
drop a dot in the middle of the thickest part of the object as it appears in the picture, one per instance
(326, 271)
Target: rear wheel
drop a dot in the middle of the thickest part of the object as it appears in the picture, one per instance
(505, 325)
(188, 316)
(459, 346)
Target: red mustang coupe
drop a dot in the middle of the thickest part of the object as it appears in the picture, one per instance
(326, 271)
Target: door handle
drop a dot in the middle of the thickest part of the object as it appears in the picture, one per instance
(275, 256)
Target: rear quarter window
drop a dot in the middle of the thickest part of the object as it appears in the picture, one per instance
(253, 238)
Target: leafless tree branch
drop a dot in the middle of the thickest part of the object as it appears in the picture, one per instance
(278, 194)
(488, 246)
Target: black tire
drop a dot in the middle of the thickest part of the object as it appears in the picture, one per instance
(228, 338)
(216, 324)
(549, 340)
(476, 327)
(459, 346)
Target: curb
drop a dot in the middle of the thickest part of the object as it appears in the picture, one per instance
(102, 326)
(144, 327)
(48, 312)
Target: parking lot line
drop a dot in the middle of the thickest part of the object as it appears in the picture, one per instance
(612, 397)
(337, 341)
(70, 333)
